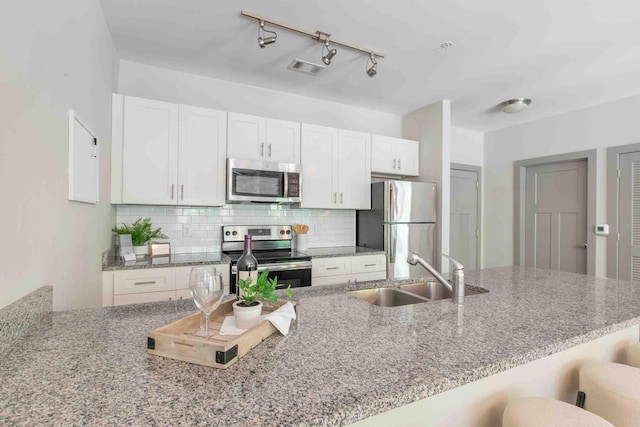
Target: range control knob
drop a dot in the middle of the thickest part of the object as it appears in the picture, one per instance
(235, 233)
(227, 233)
(281, 231)
(288, 231)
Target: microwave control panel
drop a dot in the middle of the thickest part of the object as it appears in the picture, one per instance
(293, 185)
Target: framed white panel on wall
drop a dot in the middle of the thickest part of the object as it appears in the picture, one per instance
(83, 161)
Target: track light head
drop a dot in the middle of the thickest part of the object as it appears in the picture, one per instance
(373, 69)
(264, 41)
(330, 53)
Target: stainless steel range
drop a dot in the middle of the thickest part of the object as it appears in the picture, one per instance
(271, 245)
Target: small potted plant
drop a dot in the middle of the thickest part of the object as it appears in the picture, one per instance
(141, 233)
(248, 308)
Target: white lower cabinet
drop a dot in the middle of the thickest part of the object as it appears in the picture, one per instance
(330, 271)
(150, 285)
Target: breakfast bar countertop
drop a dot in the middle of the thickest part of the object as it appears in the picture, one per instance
(343, 360)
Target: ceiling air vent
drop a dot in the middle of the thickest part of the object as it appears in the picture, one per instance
(305, 67)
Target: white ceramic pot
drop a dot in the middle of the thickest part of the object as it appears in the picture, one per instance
(141, 251)
(247, 317)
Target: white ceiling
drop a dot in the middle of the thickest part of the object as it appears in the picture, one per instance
(565, 55)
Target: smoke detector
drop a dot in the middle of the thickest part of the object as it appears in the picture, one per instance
(306, 67)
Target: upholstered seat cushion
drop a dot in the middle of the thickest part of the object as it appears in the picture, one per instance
(634, 355)
(612, 391)
(543, 412)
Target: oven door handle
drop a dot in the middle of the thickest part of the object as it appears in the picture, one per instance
(283, 266)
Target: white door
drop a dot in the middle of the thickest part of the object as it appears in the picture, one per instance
(318, 167)
(202, 156)
(353, 167)
(555, 216)
(150, 152)
(463, 226)
(383, 154)
(246, 138)
(282, 141)
(407, 157)
(629, 217)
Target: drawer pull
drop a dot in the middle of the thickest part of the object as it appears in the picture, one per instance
(145, 283)
(370, 265)
(332, 268)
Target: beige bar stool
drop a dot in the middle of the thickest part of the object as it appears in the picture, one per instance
(543, 412)
(612, 391)
(634, 355)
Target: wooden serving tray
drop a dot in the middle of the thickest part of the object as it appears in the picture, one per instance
(177, 340)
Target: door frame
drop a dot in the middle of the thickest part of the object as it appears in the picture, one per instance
(478, 170)
(613, 209)
(519, 178)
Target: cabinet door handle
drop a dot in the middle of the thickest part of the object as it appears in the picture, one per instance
(399, 164)
(269, 150)
(181, 191)
(335, 197)
(151, 282)
(369, 265)
(341, 197)
(394, 163)
(332, 268)
(262, 149)
(172, 185)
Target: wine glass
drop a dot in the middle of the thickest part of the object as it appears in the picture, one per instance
(207, 290)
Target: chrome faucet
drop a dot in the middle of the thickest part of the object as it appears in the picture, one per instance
(457, 290)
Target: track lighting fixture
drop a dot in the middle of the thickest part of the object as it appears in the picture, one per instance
(373, 69)
(318, 36)
(330, 53)
(263, 41)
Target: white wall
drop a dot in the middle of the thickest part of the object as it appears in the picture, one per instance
(55, 57)
(148, 81)
(431, 126)
(467, 146)
(597, 127)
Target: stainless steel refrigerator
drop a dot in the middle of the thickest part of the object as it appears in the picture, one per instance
(402, 220)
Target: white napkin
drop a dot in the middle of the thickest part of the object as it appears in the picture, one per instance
(280, 318)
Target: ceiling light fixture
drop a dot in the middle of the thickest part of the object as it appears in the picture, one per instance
(373, 70)
(330, 53)
(513, 106)
(264, 41)
(316, 35)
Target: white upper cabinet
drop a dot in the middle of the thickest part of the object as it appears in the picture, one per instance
(319, 177)
(150, 151)
(167, 154)
(394, 156)
(336, 168)
(259, 138)
(354, 170)
(202, 156)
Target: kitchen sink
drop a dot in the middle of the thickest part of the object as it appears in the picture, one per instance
(413, 293)
(433, 290)
(388, 297)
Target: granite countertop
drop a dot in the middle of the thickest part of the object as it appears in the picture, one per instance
(340, 251)
(344, 360)
(111, 263)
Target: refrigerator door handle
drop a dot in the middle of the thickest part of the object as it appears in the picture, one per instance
(392, 252)
(392, 203)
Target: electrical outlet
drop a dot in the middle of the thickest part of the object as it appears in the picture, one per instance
(186, 230)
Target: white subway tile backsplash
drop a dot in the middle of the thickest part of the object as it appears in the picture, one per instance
(326, 227)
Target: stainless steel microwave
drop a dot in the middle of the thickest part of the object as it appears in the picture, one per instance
(267, 182)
